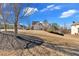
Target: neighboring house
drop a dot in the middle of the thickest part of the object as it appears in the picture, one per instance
(75, 28)
(36, 25)
(11, 26)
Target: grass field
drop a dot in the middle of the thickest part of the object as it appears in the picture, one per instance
(54, 45)
(65, 45)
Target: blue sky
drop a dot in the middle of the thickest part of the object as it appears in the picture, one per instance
(52, 12)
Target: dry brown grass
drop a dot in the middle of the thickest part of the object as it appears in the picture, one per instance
(67, 39)
(62, 45)
(69, 43)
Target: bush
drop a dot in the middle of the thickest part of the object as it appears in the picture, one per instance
(54, 32)
(65, 31)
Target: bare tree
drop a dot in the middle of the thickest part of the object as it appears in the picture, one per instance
(17, 8)
(4, 15)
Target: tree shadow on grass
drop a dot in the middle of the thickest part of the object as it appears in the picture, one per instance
(32, 41)
(36, 41)
(10, 41)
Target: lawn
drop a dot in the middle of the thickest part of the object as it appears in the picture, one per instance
(54, 45)
(67, 44)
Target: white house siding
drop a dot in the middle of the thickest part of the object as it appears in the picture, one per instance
(77, 29)
(74, 29)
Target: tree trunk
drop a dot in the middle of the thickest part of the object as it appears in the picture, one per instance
(5, 27)
(16, 27)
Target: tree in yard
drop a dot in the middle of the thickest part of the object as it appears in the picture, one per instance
(55, 26)
(17, 9)
(4, 14)
(65, 29)
(46, 25)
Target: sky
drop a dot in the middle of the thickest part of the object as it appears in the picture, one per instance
(60, 13)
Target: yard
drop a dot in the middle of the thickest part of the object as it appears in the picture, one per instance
(53, 45)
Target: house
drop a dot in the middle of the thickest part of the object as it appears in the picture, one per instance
(75, 28)
(11, 26)
(36, 25)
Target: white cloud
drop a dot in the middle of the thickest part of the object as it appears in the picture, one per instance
(45, 9)
(57, 7)
(29, 11)
(50, 7)
(68, 13)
